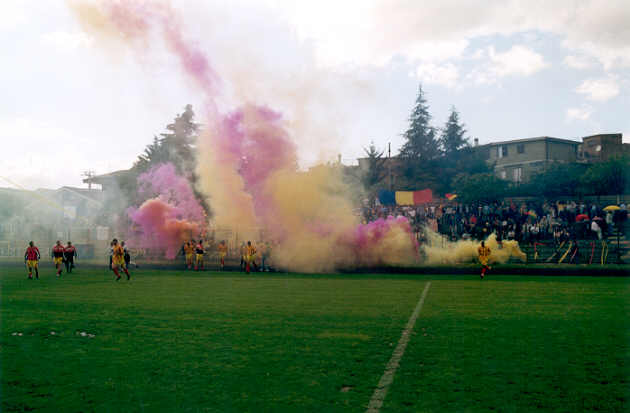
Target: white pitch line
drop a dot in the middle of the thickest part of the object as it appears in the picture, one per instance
(376, 402)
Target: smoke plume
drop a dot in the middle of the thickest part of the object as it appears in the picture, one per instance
(438, 250)
(247, 164)
(170, 215)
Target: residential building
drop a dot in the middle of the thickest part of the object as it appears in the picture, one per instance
(598, 148)
(517, 160)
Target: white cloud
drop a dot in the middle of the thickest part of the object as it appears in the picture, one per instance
(374, 31)
(581, 113)
(13, 14)
(578, 62)
(479, 54)
(66, 41)
(518, 61)
(599, 90)
(445, 75)
(599, 29)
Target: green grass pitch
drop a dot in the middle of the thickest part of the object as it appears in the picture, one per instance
(221, 342)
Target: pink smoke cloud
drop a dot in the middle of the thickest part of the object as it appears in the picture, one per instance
(252, 172)
(159, 227)
(170, 216)
(253, 140)
(163, 182)
(369, 241)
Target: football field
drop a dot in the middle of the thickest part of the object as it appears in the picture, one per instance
(228, 342)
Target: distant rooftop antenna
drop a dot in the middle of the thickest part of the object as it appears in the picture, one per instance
(89, 174)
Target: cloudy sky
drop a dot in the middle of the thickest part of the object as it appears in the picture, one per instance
(344, 73)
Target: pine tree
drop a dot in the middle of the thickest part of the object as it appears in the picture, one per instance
(452, 138)
(175, 146)
(180, 139)
(376, 167)
(421, 144)
(421, 149)
(154, 153)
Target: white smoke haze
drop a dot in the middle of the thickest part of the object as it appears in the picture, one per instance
(343, 72)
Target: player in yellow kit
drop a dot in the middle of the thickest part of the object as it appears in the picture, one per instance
(222, 248)
(199, 251)
(118, 259)
(243, 253)
(189, 250)
(250, 256)
(484, 257)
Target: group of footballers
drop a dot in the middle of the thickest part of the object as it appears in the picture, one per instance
(60, 254)
(65, 255)
(194, 253)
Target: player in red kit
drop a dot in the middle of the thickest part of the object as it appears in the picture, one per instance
(31, 256)
(57, 253)
(69, 253)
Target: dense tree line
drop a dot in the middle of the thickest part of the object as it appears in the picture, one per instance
(444, 160)
(430, 157)
(560, 180)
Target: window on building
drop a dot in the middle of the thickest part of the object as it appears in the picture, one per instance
(504, 150)
(503, 174)
(518, 174)
(520, 148)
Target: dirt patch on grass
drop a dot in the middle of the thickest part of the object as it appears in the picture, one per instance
(334, 334)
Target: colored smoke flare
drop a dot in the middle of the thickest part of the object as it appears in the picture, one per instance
(163, 182)
(438, 250)
(170, 216)
(382, 242)
(247, 165)
(159, 227)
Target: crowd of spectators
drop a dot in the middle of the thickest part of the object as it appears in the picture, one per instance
(526, 222)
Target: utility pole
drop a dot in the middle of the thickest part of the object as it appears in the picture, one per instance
(389, 164)
(89, 174)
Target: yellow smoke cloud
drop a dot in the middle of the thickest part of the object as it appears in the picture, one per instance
(438, 250)
(310, 213)
(313, 212)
